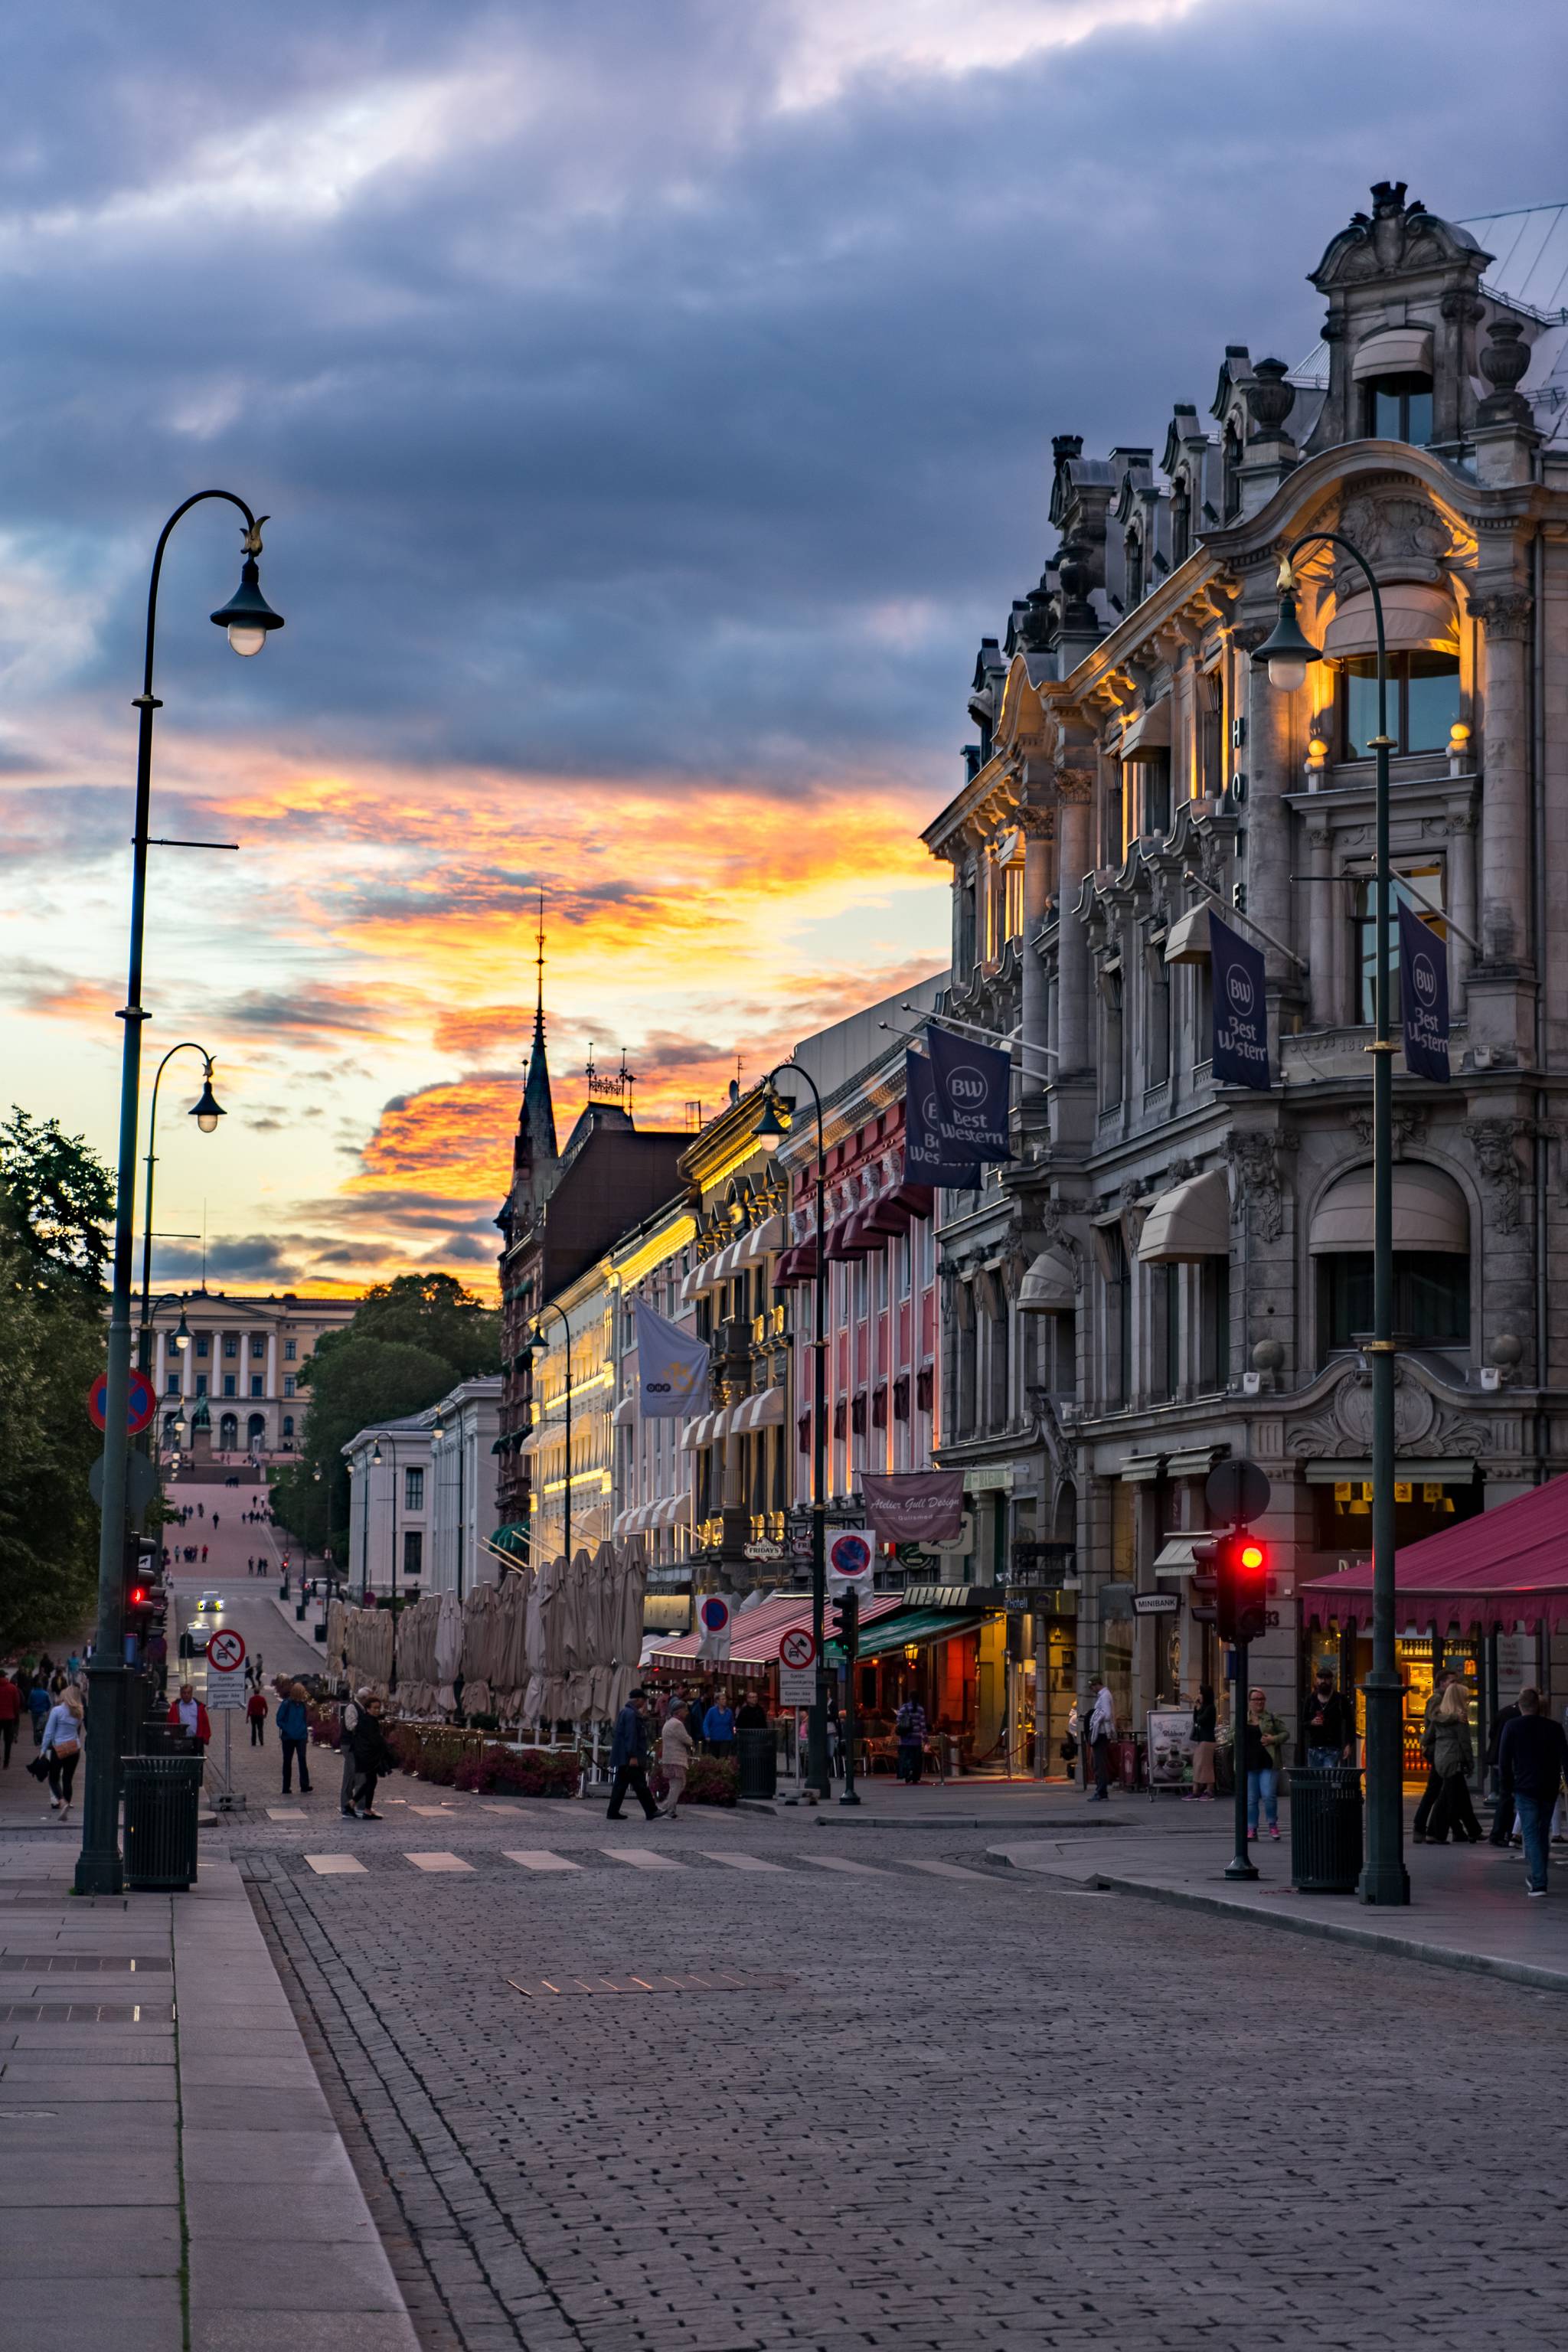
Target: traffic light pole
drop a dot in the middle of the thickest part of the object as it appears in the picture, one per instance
(1241, 1864)
(851, 1615)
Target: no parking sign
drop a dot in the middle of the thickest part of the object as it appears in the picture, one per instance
(850, 1555)
(713, 1626)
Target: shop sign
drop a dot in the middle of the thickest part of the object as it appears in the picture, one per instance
(1155, 1604)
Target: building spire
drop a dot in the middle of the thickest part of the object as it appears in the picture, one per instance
(539, 1002)
(535, 1155)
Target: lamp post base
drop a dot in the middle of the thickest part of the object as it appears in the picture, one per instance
(1384, 1880)
(99, 1868)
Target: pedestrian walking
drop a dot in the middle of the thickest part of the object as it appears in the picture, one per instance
(1072, 1740)
(676, 1751)
(1453, 1760)
(293, 1737)
(10, 1715)
(191, 1716)
(1327, 1724)
(835, 1738)
(1102, 1725)
(1205, 1717)
(1264, 1736)
(1533, 1755)
(719, 1727)
(256, 1715)
(629, 1759)
(373, 1756)
(910, 1728)
(1434, 1788)
(63, 1737)
(751, 1715)
(38, 1707)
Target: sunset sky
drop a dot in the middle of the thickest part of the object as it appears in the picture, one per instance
(653, 406)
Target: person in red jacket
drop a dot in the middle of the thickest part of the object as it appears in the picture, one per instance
(10, 1714)
(256, 1714)
(191, 1715)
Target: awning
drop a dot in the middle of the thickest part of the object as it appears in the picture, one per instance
(1445, 1470)
(755, 1634)
(513, 1537)
(528, 1441)
(1047, 1287)
(1501, 1568)
(1189, 1223)
(697, 1433)
(701, 1280)
(920, 1626)
(902, 1202)
(1430, 1212)
(1412, 615)
(1139, 1468)
(1176, 1555)
(1150, 732)
(626, 1413)
(763, 1411)
(847, 1240)
(672, 1513)
(1187, 941)
(1396, 350)
(690, 1284)
(763, 1239)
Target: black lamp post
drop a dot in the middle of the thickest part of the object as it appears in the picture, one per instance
(770, 1132)
(247, 617)
(207, 1110)
(537, 1347)
(375, 1464)
(1287, 654)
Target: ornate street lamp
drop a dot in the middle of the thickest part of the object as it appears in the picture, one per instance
(207, 1110)
(537, 1347)
(1288, 655)
(247, 617)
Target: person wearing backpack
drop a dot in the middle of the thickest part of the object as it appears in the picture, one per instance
(293, 1733)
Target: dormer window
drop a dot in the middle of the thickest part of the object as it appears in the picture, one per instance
(1399, 408)
(1181, 522)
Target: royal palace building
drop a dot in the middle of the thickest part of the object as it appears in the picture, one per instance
(1172, 1272)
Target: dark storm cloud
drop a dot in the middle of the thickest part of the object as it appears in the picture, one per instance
(614, 418)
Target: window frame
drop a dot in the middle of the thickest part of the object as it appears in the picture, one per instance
(1403, 385)
(1398, 703)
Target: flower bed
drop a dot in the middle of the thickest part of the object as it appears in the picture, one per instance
(712, 1781)
(466, 1760)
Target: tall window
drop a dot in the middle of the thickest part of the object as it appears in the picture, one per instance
(1154, 793)
(257, 1351)
(1110, 1036)
(1118, 1319)
(414, 1490)
(1203, 1013)
(231, 1348)
(1214, 1316)
(1158, 999)
(257, 1384)
(1399, 408)
(1211, 740)
(413, 1552)
(204, 1345)
(290, 1347)
(1428, 892)
(1166, 1335)
(1013, 900)
(1431, 1296)
(1422, 701)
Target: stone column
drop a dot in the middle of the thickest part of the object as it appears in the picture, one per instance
(1504, 929)
(1322, 910)
(1038, 826)
(272, 1363)
(1074, 979)
(1270, 775)
(1461, 897)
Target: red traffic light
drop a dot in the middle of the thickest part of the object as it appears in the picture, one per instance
(1241, 1566)
(138, 1596)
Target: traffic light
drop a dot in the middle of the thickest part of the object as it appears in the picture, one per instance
(137, 1606)
(1204, 1588)
(846, 1622)
(1241, 1567)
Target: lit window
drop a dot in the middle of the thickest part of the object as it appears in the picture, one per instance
(1422, 701)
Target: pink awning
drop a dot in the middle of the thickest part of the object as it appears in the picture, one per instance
(1501, 1569)
(849, 1239)
(756, 1634)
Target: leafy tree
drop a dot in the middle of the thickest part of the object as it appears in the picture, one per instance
(51, 1344)
(423, 1310)
(356, 1383)
(56, 1195)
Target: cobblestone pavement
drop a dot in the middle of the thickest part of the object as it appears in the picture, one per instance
(981, 2110)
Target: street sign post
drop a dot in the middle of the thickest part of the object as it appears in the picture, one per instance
(141, 1402)
(714, 1627)
(226, 1651)
(798, 1668)
(851, 1554)
(227, 1696)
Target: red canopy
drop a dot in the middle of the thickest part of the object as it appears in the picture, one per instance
(1499, 1569)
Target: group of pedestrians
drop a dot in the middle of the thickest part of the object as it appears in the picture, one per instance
(368, 1755)
(689, 1722)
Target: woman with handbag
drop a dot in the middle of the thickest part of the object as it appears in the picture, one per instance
(1453, 1760)
(62, 1750)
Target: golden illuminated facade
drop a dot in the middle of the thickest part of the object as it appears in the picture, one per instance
(1171, 1271)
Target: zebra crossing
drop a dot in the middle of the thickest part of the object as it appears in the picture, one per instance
(544, 1862)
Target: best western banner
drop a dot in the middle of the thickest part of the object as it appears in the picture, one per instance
(1239, 1050)
(672, 1368)
(972, 1086)
(915, 1506)
(1423, 997)
(927, 1158)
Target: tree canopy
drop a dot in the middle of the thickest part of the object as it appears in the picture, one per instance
(433, 1311)
(56, 1195)
(52, 1347)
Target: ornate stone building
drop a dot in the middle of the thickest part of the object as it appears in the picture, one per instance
(1170, 1271)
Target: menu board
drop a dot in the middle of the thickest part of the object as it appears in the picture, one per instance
(1170, 1746)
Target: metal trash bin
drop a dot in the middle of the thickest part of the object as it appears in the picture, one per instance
(160, 1738)
(163, 1799)
(1325, 1829)
(759, 1768)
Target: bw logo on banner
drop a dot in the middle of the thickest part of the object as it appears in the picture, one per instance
(1239, 1050)
(927, 1158)
(972, 1086)
(1423, 997)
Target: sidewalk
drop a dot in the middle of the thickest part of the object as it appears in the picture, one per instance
(170, 2172)
(1467, 1906)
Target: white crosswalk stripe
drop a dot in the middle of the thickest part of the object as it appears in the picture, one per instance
(286, 1813)
(837, 1862)
(744, 1861)
(639, 1857)
(540, 1858)
(437, 1862)
(950, 1870)
(334, 1866)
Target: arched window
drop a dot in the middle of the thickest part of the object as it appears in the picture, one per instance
(288, 1429)
(228, 1433)
(256, 1433)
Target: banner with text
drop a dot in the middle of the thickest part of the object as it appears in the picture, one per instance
(1239, 1049)
(927, 1159)
(915, 1506)
(972, 1086)
(1423, 997)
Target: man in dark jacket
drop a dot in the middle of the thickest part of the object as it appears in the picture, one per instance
(1329, 1724)
(1532, 1755)
(629, 1759)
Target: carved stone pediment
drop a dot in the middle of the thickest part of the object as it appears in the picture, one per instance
(1339, 1428)
(1401, 535)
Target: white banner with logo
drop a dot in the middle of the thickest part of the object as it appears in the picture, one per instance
(672, 1368)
